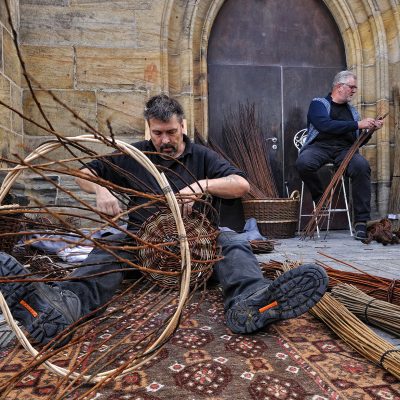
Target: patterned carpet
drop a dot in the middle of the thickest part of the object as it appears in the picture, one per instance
(292, 360)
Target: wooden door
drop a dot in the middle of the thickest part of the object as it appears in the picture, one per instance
(279, 55)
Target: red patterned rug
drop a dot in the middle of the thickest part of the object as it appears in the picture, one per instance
(292, 360)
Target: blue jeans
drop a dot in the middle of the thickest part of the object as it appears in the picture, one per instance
(238, 272)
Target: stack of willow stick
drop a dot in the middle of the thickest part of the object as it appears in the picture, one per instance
(350, 328)
(377, 312)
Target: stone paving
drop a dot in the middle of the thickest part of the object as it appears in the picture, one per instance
(373, 258)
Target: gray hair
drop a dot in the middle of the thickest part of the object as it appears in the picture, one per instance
(343, 77)
(163, 108)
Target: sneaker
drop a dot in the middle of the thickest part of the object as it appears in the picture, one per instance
(360, 231)
(290, 295)
(45, 311)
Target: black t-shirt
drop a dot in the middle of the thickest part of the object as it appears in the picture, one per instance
(195, 163)
(340, 112)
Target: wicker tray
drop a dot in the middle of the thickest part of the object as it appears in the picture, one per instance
(276, 218)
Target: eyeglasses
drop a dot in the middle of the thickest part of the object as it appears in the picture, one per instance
(352, 87)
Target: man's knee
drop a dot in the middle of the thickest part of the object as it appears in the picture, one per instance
(229, 241)
(304, 164)
(359, 166)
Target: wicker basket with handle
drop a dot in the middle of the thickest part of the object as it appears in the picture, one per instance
(276, 218)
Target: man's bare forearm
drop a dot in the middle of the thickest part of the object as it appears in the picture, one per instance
(86, 185)
(228, 187)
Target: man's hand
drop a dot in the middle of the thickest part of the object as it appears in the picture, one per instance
(187, 197)
(378, 124)
(106, 202)
(366, 123)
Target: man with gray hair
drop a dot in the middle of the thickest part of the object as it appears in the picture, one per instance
(333, 125)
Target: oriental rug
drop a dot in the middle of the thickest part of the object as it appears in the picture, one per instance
(298, 359)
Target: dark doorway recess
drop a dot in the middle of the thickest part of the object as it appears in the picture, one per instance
(279, 55)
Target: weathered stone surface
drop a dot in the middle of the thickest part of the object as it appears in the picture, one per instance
(1, 48)
(367, 42)
(149, 26)
(14, 8)
(16, 102)
(46, 195)
(392, 35)
(12, 67)
(64, 3)
(10, 144)
(138, 4)
(5, 96)
(123, 110)
(358, 10)
(83, 103)
(117, 68)
(110, 24)
(369, 152)
(368, 86)
(52, 67)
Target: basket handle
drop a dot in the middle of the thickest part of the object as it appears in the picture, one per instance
(295, 195)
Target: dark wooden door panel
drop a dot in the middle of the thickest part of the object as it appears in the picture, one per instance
(278, 55)
(232, 84)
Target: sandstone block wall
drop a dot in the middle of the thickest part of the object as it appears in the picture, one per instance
(105, 58)
(11, 128)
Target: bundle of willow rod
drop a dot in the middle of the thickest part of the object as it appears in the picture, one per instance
(327, 196)
(358, 335)
(246, 147)
(355, 333)
(373, 311)
(375, 286)
(261, 246)
(254, 191)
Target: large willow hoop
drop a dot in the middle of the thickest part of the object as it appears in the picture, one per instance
(184, 247)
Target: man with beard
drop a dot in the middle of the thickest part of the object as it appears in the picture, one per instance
(191, 169)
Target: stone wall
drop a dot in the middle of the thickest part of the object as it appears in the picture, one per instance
(105, 58)
(102, 58)
(11, 131)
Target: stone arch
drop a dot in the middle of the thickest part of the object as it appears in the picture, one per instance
(366, 27)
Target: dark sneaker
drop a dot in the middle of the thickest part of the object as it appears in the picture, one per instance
(360, 231)
(43, 310)
(290, 295)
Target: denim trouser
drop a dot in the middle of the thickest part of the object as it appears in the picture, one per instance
(315, 155)
(238, 273)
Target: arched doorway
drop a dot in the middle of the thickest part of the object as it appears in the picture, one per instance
(278, 55)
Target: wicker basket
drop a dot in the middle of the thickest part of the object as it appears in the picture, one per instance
(159, 230)
(276, 218)
(10, 225)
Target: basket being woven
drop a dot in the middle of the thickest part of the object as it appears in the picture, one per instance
(276, 218)
(160, 231)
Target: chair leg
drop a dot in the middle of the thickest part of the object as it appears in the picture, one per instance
(301, 212)
(329, 213)
(347, 206)
(301, 207)
(316, 220)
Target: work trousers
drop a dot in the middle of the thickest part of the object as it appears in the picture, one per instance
(238, 273)
(315, 155)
